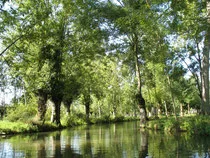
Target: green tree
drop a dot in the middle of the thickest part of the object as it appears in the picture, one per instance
(190, 21)
(136, 23)
(43, 31)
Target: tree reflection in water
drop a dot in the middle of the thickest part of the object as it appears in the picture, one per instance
(120, 140)
(41, 150)
(87, 147)
(143, 151)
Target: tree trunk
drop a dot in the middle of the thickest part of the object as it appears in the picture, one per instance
(68, 110)
(87, 101)
(24, 94)
(166, 110)
(42, 107)
(55, 117)
(142, 108)
(67, 105)
(188, 108)
(172, 97)
(87, 110)
(99, 109)
(181, 110)
(205, 66)
(114, 106)
(139, 97)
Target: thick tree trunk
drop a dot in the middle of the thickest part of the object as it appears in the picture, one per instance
(42, 107)
(55, 117)
(205, 85)
(205, 66)
(142, 109)
(87, 110)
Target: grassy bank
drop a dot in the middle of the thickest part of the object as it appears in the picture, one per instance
(198, 125)
(7, 127)
(195, 125)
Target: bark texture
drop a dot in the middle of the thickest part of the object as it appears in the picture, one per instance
(205, 66)
(42, 107)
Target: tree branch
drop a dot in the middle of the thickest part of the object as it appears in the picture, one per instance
(120, 3)
(10, 45)
(194, 75)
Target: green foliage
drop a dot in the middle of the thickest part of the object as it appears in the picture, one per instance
(196, 125)
(186, 125)
(171, 125)
(21, 112)
(119, 118)
(7, 127)
(74, 120)
(200, 125)
(102, 119)
(164, 124)
(89, 53)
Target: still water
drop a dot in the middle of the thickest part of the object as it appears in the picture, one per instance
(120, 140)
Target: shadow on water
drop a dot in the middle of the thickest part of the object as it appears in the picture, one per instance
(120, 140)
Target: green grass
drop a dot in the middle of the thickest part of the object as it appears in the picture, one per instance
(31, 126)
(7, 127)
(195, 125)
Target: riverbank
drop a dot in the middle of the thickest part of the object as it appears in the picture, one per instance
(10, 128)
(196, 125)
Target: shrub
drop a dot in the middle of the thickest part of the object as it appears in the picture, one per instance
(186, 126)
(172, 125)
(74, 120)
(15, 127)
(200, 126)
(118, 118)
(20, 112)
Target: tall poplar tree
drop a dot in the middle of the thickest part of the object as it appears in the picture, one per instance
(136, 22)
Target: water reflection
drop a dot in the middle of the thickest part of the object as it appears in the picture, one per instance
(123, 140)
(143, 151)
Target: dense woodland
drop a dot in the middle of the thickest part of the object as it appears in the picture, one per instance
(104, 58)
